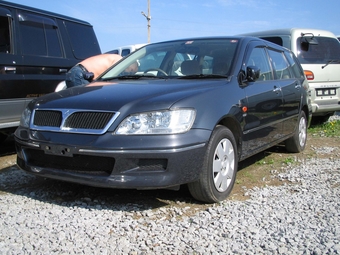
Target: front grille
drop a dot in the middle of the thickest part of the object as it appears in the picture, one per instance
(73, 121)
(88, 120)
(48, 118)
(81, 164)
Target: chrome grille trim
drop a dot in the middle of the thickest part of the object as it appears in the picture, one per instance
(72, 120)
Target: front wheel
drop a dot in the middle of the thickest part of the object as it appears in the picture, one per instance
(298, 141)
(219, 168)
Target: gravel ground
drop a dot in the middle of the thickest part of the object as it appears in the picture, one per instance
(300, 217)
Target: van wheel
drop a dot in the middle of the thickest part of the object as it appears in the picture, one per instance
(219, 168)
(297, 142)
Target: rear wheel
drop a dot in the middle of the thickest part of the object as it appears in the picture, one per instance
(219, 168)
(298, 141)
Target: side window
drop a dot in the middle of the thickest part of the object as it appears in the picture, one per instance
(43, 32)
(258, 57)
(294, 66)
(280, 65)
(83, 40)
(5, 41)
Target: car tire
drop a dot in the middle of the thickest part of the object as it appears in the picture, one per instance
(298, 141)
(219, 168)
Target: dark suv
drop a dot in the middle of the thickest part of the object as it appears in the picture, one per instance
(36, 50)
(200, 106)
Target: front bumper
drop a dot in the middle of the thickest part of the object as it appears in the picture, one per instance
(94, 161)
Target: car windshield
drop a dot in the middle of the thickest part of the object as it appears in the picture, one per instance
(322, 51)
(197, 58)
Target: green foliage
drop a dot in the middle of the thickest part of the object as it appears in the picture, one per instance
(327, 129)
(289, 160)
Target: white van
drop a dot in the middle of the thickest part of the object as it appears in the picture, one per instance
(319, 54)
(126, 50)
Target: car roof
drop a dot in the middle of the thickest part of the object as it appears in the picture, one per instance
(40, 11)
(241, 38)
(290, 31)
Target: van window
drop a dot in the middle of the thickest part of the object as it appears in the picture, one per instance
(258, 58)
(80, 45)
(4, 36)
(43, 32)
(5, 25)
(125, 52)
(327, 48)
(274, 39)
(114, 52)
(280, 65)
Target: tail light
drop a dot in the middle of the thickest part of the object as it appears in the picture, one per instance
(309, 75)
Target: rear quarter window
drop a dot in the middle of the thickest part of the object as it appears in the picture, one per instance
(83, 40)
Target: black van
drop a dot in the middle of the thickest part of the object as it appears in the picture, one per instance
(37, 48)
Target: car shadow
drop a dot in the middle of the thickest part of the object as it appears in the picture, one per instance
(15, 181)
(7, 147)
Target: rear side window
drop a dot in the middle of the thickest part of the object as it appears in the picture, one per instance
(83, 40)
(39, 35)
(294, 67)
(321, 51)
(280, 65)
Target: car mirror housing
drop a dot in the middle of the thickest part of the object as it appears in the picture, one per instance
(253, 73)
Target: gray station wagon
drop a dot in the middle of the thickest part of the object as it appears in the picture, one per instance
(193, 109)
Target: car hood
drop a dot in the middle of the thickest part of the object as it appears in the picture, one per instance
(113, 96)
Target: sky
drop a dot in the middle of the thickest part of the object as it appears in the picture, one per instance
(120, 22)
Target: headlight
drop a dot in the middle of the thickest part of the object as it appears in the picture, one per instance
(25, 118)
(158, 122)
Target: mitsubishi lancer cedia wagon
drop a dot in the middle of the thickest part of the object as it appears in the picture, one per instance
(190, 111)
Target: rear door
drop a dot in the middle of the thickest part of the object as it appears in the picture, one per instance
(44, 62)
(290, 87)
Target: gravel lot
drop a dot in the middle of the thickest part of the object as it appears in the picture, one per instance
(302, 216)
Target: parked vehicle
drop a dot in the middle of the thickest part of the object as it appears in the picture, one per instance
(319, 54)
(36, 50)
(127, 49)
(203, 105)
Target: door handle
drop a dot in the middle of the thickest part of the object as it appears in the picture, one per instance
(276, 89)
(298, 86)
(62, 70)
(10, 69)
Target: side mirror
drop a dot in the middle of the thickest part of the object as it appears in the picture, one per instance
(253, 73)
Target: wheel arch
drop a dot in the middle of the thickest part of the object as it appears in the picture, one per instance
(231, 123)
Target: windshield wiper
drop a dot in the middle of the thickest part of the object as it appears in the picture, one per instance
(331, 61)
(133, 77)
(202, 76)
